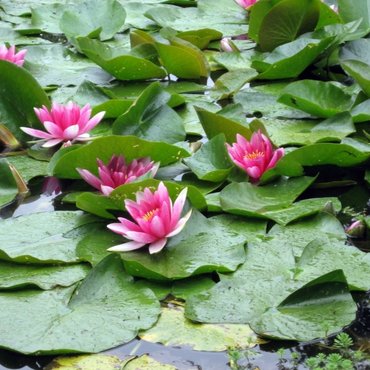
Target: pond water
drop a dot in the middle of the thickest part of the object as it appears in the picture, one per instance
(268, 356)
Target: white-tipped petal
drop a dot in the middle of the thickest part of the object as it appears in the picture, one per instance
(180, 225)
(126, 247)
(157, 246)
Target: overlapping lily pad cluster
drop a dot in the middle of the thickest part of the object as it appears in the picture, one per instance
(141, 100)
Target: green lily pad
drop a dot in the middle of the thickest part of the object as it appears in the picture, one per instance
(256, 201)
(102, 206)
(182, 289)
(28, 167)
(151, 118)
(321, 99)
(205, 245)
(61, 320)
(64, 164)
(211, 162)
(274, 24)
(305, 132)
(173, 329)
(85, 362)
(45, 277)
(183, 59)
(101, 19)
(214, 124)
(60, 229)
(341, 155)
(267, 295)
(55, 65)
(8, 186)
(231, 82)
(289, 60)
(354, 59)
(119, 63)
(20, 93)
(224, 16)
(350, 13)
(303, 208)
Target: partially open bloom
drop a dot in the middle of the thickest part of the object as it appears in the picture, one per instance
(117, 173)
(246, 3)
(156, 220)
(356, 229)
(11, 56)
(255, 156)
(64, 123)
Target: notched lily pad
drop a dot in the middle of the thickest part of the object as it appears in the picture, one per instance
(62, 320)
(173, 329)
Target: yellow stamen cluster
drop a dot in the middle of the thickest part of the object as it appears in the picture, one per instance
(256, 154)
(149, 215)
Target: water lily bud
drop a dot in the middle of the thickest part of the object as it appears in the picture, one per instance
(356, 229)
(227, 45)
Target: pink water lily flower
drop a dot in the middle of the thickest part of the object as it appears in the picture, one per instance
(246, 3)
(64, 123)
(11, 56)
(117, 173)
(255, 156)
(156, 220)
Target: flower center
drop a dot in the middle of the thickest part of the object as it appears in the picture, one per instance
(149, 215)
(254, 155)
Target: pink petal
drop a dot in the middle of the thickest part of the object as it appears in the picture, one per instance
(106, 190)
(126, 247)
(157, 246)
(51, 142)
(180, 225)
(158, 226)
(140, 237)
(92, 122)
(89, 178)
(54, 129)
(71, 132)
(179, 205)
(117, 228)
(36, 133)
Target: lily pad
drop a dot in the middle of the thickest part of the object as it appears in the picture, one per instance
(281, 289)
(103, 206)
(28, 167)
(211, 162)
(341, 155)
(256, 201)
(45, 277)
(205, 245)
(85, 362)
(274, 24)
(61, 320)
(64, 164)
(47, 237)
(321, 99)
(214, 124)
(151, 118)
(8, 186)
(173, 329)
(96, 18)
(20, 93)
(289, 60)
(183, 59)
(119, 63)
